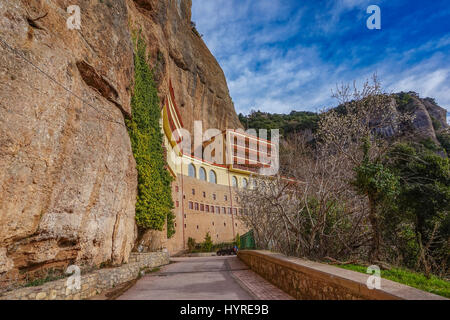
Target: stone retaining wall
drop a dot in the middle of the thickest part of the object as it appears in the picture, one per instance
(307, 280)
(93, 283)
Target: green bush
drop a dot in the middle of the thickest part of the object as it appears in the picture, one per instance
(191, 244)
(436, 124)
(403, 102)
(154, 203)
(207, 244)
(444, 139)
(237, 241)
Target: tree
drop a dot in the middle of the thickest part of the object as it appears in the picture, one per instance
(424, 199)
(379, 184)
(313, 213)
(361, 129)
(207, 243)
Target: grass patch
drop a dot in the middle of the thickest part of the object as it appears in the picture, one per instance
(148, 271)
(419, 281)
(152, 270)
(41, 281)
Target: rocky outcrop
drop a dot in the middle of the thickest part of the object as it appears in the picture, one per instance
(178, 54)
(429, 118)
(67, 173)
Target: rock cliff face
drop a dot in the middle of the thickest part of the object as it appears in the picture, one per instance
(429, 118)
(67, 173)
(178, 54)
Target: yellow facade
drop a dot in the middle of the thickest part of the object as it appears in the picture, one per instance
(204, 193)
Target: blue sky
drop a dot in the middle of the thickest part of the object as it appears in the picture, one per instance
(288, 55)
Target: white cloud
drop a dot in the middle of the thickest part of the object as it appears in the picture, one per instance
(243, 35)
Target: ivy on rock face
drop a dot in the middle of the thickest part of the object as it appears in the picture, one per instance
(154, 202)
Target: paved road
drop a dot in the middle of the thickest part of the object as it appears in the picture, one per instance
(206, 278)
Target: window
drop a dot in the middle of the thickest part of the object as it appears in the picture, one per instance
(204, 194)
(196, 206)
(192, 171)
(229, 210)
(244, 183)
(234, 211)
(185, 226)
(176, 189)
(217, 209)
(224, 224)
(193, 192)
(224, 210)
(202, 207)
(225, 197)
(234, 181)
(191, 205)
(212, 209)
(214, 196)
(213, 223)
(212, 177)
(197, 227)
(202, 174)
(207, 208)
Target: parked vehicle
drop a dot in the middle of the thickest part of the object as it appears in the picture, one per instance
(226, 252)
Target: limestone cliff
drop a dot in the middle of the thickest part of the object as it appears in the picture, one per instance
(429, 118)
(178, 54)
(67, 173)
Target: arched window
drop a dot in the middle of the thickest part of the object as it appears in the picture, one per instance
(234, 181)
(191, 171)
(202, 174)
(212, 177)
(244, 183)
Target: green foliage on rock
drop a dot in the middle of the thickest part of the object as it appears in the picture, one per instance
(436, 124)
(444, 140)
(154, 200)
(403, 100)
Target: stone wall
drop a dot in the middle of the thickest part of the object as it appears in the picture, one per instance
(93, 283)
(307, 280)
